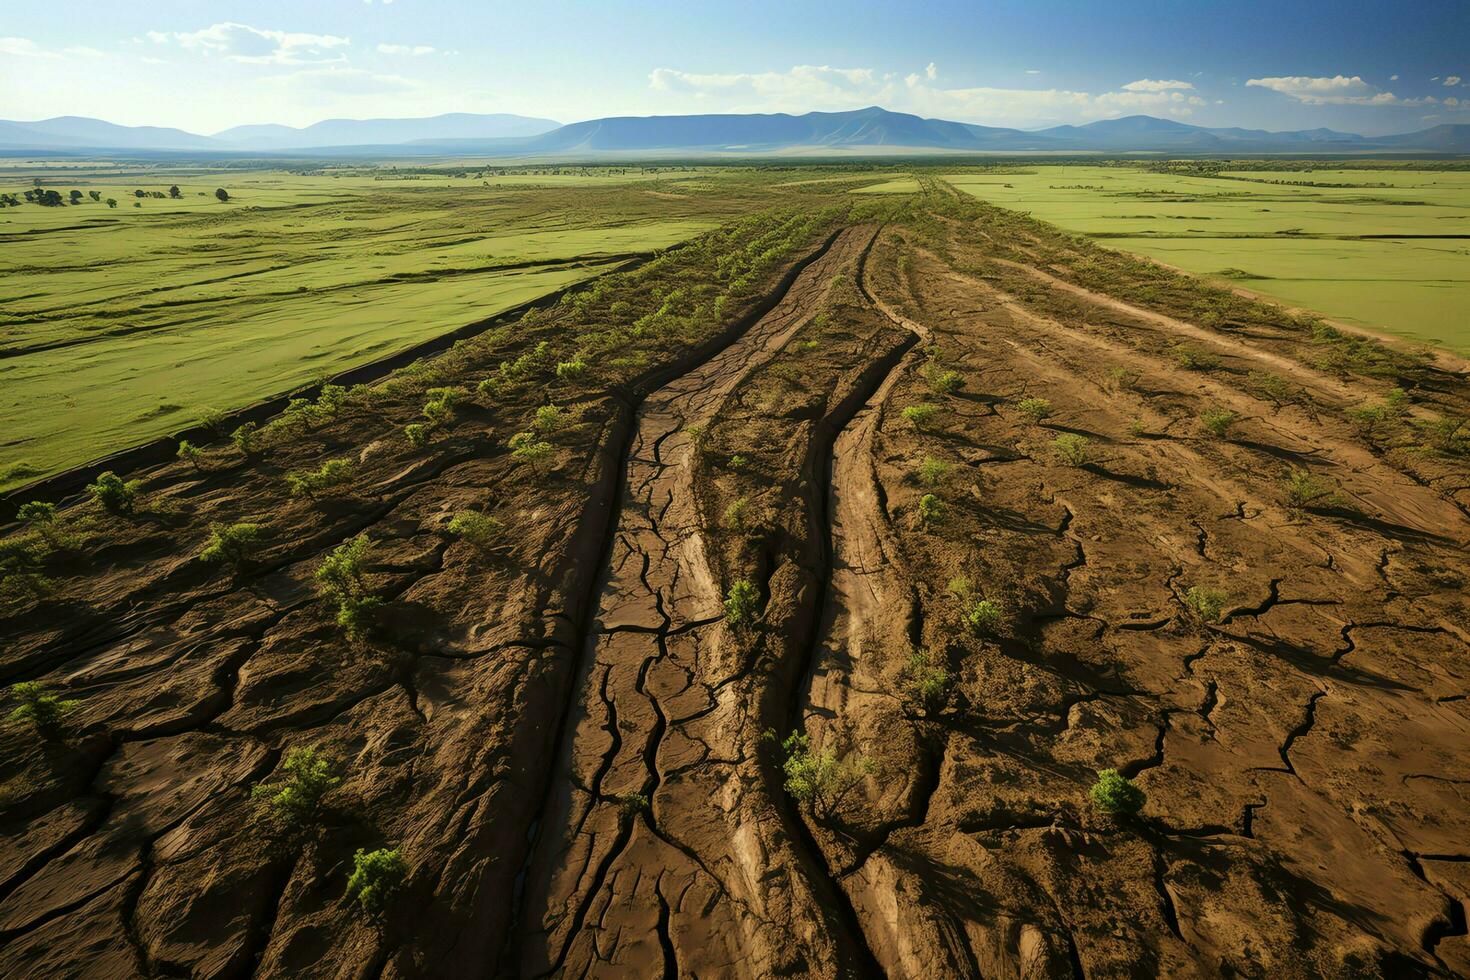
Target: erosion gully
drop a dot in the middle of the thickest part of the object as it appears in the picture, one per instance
(715, 873)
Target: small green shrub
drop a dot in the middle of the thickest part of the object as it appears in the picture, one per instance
(1218, 422)
(232, 543)
(931, 510)
(1273, 388)
(943, 382)
(920, 415)
(1070, 448)
(571, 370)
(40, 708)
(1192, 358)
(821, 780)
(1136, 427)
(418, 433)
(924, 685)
(114, 494)
(330, 475)
(340, 579)
(738, 462)
(1207, 603)
(376, 877)
(246, 438)
(550, 418)
(736, 515)
(742, 603)
(192, 454)
(1035, 409)
(476, 528)
(1115, 795)
(294, 803)
(440, 404)
(632, 803)
(1447, 434)
(931, 471)
(43, 518)
(1304, 489)
(358, 616)
(525, 446)
(18, 585)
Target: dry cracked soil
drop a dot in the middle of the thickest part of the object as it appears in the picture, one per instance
(996, 546)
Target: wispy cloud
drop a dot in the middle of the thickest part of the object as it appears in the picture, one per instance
(1154, 85)
(23, 47)
(1452, 80)
(1334, 90)
(241, 42)
(408, 49)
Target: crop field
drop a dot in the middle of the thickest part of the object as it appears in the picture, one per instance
(881, 584)
(123, 323)
(1381, 249)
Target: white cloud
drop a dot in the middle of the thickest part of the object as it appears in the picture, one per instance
(1033, 71)
(24, 48)
(808, 87)
(241, 42)
(1393, 78)
(1152, 85)
(409, 49)
(1336, 90)
(1452, 81)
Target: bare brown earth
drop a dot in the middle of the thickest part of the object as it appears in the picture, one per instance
(570, 744)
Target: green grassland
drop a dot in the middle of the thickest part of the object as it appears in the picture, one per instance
(121, 324)
(1368, 247)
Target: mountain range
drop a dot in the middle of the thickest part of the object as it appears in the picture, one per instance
(862, 131)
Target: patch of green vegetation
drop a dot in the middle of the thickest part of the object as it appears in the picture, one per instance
(821, 780)
(293, 803)
(1206, 602)
(40, 708)
(476, 528)
(742, 603)
(376, 877)
(1071, 448)
(231, 543)
(1115, 794)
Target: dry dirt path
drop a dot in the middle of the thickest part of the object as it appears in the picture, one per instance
(705, 879)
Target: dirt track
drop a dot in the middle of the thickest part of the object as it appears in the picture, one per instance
(1304, 755)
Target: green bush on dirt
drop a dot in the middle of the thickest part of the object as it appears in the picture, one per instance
(821, 780)
(1447, 434)
(476, 528)
(44, 519)
(1192, 358)
(191, 454)
(742, 603)
(525, 446)
(294, 803)
(571, 370)
(40, 708)
(114, 494)
(1070, 448)
(931, 511)
(330, 475)
(1207, 603)
(943, 381)
(245, 438)
(1273, 388)
(920, 415)
(738, 461)
(924, 685)
(736, 515)
(981, 615)
(632, 803)
(1035, 409)
(1304, 490)
(1115, 795)
(418, 433)
(551, 418)
(232, 543)
(931, 471)
(340, 579)
(376, 877)
(1218, 422)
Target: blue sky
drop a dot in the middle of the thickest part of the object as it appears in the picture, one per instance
(205, 65)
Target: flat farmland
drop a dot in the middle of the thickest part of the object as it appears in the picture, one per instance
(121, 324)
(1373, 248)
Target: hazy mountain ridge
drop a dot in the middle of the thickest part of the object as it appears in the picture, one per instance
(763, 133)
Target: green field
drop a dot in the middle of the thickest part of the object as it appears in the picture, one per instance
(121, 324)
(1374, 253)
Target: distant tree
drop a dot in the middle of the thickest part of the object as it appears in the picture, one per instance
(174, 192)
(140, 193)
(112, 202)
(95, 195)
(222, 194)
(76, 197)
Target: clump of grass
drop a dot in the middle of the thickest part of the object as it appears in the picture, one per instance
(45, 520)
(191, 454)
(925, 685)
(1192, 358)
(1070, 448)
(340, 579)
(1447, 434)
(1034, 409)
(571, 370)
(821, 780)
(1136, 427)
(632, 802)
(330, 475)
(1218, 422)
(942, 381)
(931, 471)
(698, 438)
(1115, 795)
(246, 438)
(40, 708)
(294, 803)
(742, 603)
(376, 878)
(115, 495)
(525, 446)
(1206, 602)
(932, 511)
(231, 543)
(1304, 490)
(476, 528)
(921, 415)
(1273, 388)
(736, 515)
(738, 462)
(550, 418)
(981, 615)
